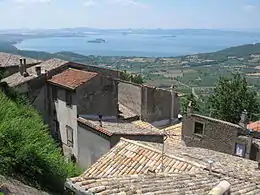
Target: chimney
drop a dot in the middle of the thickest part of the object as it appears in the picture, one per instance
(24, 65)
(223, 188)
(38, 70)
(243, 119)
(25, 73)
(21, 66)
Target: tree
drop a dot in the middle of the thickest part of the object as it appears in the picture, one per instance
(27, 150)
(231, 97)
(186, 100)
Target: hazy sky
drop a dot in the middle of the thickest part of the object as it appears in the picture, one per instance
(130, 13)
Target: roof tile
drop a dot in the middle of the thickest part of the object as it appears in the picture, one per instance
(72, 78)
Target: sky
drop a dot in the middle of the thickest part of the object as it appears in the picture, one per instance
(170, 14)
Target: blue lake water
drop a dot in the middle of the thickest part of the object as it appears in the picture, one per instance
(146, 45)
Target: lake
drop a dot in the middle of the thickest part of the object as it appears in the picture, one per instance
(146, 45)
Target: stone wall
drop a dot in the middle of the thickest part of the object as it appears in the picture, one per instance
(99, 95)
(218, 135)
(151, 104)
(156, 104)
(130, 95)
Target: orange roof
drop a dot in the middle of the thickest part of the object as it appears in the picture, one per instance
(72, 78)
(254, 126)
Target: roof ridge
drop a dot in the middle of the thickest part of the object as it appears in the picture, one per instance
(165, 154)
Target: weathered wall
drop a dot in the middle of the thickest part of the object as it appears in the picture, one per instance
(91, 146)
(66, 115)
(130, 96)
(40, 102)
(156, 104)
(152, 104)
(218, 135)
(98, 95)
(148, 138)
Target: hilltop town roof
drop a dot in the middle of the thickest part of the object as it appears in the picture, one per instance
(142, 158)
(48, 65)
(112, 127)
(162, 183)
(9, 60)
(72, 78)
(254, 126)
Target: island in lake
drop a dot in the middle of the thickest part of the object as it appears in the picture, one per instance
(97, 41)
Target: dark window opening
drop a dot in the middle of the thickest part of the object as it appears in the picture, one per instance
(240, 150)
(69, 131)
(198, 128)
(56, 129)
(54, 93)
(68, 98)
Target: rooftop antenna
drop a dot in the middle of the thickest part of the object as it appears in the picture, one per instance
(100, 119)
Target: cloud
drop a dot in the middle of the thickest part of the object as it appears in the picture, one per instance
(125, 3)
(133, 3)
(32, 1)
(250, 7)
(89, 3)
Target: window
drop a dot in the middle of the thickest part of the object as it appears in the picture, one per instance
(68, 98)
(54, 93)
(69, 131)
(198, 128)
(240, 149)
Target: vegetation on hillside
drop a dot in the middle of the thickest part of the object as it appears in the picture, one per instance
(131, 77)
(27, 151)
(231, 97)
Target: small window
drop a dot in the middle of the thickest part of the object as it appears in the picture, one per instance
(69, 131)
(198, 128)
(240, 149)
(54, 93)
(68, 98)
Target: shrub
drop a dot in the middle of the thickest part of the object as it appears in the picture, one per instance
(27, 150)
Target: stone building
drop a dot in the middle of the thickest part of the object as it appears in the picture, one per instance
(218, 135)
(107, 134)
(77, 93)
(32, 82)
(138, 167)
(154, 105)
(11, 63)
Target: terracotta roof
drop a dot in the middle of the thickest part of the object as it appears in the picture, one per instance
(162, 183)
(8, 60)
(131, 157)
(112, 127)
(113, 173)
(48, 65)
(254, 126)
(72, 78)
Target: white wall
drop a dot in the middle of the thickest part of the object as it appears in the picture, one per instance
(66, 116)
(90, 147)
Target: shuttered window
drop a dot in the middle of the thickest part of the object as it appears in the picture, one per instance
(69, 136)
